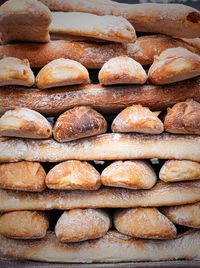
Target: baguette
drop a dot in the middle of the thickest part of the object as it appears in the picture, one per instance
(112, 146)
(110, 99)
(92, 54)
(171, 19)
(162, 194)
(105, 249)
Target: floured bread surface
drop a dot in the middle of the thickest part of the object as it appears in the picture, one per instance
(188, 215)
(144, 223)
(135, 174)
(183, 118)
(24, 20)
(73, 175)
(62, 72)
(111, 28)
(137, 118)
(179, 170)
(25, 123)
(122, 70)
(82, 224)
(24, 224)
(14, 71)
(23, 176)
(173, 65)
(79, 122)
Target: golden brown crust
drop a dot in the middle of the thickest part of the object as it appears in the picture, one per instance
(183, 118)
(173, 65)
(188, 215)
(73, 175)
(25, 123)
(105, 249)
(24, 20)
(62, 72)
(171, 19)
(135, 174)
(137, 118)
(23, 176)
(24, 224)
(179, 170)
(122, 70)
(144, 223)
(111, 28)
(82, 224)
(93, 54)
(14, 71)
(79, 122)
(162, 194)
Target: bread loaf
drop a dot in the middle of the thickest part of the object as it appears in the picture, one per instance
(24, 20)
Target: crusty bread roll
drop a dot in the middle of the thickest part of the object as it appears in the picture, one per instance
(135, 174)
(73, 175)
(188, 215)
(171, 19)
(122, 70)
(173, 65)
(23, 176)
(93, 54)
(162, 194)
(77, 123)
(25, 123)
(111, 146)
(14, 71)
(113, 247)
(24, 20)
(24, 224)
(53, 102)
(62, 72)
(144, 223)
(179, 170)
(137, 118)
(183, 118)
(82, 224)
(111, 28)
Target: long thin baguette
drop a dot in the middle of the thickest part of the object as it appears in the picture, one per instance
(113, 146)
(105, 249)
(115, 98)
(95, 54)
(162, 194)
(171, 19)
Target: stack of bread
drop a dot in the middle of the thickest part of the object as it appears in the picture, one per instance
(100, 131)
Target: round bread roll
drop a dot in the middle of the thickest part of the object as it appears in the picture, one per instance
(77, 123)
(25, 123)
(188, 215)
(122, 70)
(183, 118)
(173, 65)
(179, 170)
(24, 224)
(62, 72)
(23, 175)
(132, 174)
(144, 223)
(82, 224)
(73, 175)
(14, 71)
(137, 118)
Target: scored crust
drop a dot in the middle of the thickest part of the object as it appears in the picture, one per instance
(62, 72)
(135, 174)
(25, 123)
(82, 224)
(137, 118)
(73, 175)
